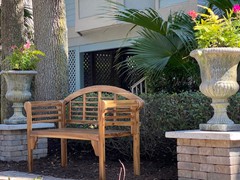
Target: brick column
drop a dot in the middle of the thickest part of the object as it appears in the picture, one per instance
(13, 142)
(207, 155)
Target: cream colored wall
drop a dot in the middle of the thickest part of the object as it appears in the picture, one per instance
(97, 29)
(112, 33)
(87, 9)
(93, 15)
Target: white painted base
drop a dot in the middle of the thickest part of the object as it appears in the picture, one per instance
(197, 134)
(219, 127)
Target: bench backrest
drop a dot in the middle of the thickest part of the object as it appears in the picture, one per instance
(83, 106)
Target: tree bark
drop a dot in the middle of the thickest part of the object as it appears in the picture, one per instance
(51, 37)
(12, 26)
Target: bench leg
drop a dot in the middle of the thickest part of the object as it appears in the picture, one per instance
(30, 159)
(101, 147)
(63, 152)
(136, 154)
(31, 144)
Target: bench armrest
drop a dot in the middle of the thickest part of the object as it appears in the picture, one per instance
(120, 112)
(44, 112)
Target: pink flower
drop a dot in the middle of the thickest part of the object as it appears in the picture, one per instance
(193, 14)
(236, 8)
(13, 47)
(27, 45)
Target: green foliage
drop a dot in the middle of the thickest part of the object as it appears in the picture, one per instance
(212, 31)
(172, 82)
(162, 44)
(170, 112)
(24, 57)
(223, 5)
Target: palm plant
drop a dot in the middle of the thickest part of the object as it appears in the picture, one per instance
(163, 46)
(223, 5)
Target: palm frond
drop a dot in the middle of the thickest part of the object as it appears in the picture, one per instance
(161, 46)
(224, 5)
(148, 18)
(151, 52)
(182, 26)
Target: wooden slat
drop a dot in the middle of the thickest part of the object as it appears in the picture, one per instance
(92, 116)
(45, 103)
(118, 110)
(77, 101)
(70, 109)
(45, 115)
(84, 106)
(67, 133)
(119, 123)
(76, 107)
(120, 104)
(81, 107)
(91, 111)
(118, 117)
(82, 122)
(45, 110)
(79, 111)
(92, 97)
(77, 133)
(92, 103)
(107, 98)
(46, 121)
(76, 116)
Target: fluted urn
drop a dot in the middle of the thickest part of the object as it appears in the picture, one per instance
(218, 67)
(18, 91)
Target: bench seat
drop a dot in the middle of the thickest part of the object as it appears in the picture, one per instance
(77, 133)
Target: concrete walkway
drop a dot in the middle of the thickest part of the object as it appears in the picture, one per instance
(15, 175)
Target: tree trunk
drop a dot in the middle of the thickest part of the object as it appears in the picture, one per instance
(12, 26)
(51, 37)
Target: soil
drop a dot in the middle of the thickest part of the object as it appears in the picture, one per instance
(83, 164)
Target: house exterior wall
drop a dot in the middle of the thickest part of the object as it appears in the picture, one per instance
(166, 6)
(88, 30)
(70, 12)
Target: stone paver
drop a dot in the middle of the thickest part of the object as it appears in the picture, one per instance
(15, 175)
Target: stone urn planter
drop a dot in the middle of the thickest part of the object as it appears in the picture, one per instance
(218, 67)
(18, 91)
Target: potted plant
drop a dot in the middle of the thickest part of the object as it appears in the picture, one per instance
(218, 57)
(23, 61)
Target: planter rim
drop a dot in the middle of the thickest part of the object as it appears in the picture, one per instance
(18, 72)
(215, 50)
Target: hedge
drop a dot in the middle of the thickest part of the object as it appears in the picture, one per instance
(170, 112)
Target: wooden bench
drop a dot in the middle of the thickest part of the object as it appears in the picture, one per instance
(113, 111)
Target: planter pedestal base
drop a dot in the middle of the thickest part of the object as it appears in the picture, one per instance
(207, 155)
(17, 117)
(219, 127)
(16, 120)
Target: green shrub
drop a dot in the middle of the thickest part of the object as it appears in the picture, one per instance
(169, 112)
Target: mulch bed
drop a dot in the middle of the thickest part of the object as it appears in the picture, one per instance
(83, 164)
